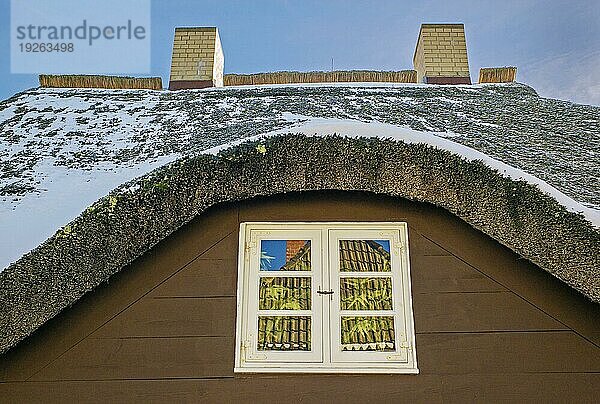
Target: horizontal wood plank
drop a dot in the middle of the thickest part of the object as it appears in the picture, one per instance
(225, 249)
(520, 387)
(420, 245)
(332, 206)
(549, 388)
(448, 274)
(477, 312)
(510, 352)
(190, 241)
(201, 278)
(163, 317)
(248, 389)
(143, 358)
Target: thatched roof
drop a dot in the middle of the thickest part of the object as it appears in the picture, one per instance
(121, 227)
(509, 122)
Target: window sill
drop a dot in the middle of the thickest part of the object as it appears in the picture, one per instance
(330, 370)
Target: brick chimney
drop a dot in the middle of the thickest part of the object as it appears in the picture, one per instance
(441, 55)
(197, 60)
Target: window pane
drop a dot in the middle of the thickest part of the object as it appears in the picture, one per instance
(284, 333)
(369, 333)
(285, 255)
(366, 294)
(365, 256)
(284, 293)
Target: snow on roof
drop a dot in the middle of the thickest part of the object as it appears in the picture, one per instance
(62, 149)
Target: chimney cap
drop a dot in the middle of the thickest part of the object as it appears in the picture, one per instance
(195, 29)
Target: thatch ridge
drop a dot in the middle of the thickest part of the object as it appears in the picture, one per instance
(125, 224)
(95, 81)
(497, 74)
(338, 76)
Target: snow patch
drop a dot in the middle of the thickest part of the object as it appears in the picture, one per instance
(67, 192)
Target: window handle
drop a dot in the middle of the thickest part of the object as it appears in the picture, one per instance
(325, 292)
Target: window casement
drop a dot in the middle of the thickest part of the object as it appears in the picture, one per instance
(324, 298)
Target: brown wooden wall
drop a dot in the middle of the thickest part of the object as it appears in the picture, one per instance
(490, 326)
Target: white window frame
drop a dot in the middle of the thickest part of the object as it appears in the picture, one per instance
(325, 310)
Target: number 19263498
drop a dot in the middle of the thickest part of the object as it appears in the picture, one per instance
(36, 47)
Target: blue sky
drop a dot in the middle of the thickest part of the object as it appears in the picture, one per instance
(276, 250)
(554, 44)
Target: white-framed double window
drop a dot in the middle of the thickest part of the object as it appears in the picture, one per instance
(324, 297)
